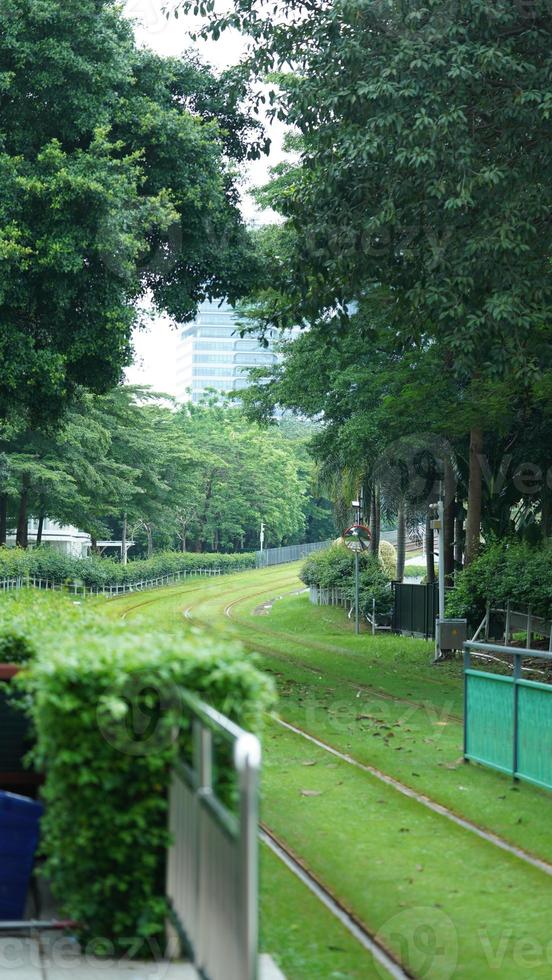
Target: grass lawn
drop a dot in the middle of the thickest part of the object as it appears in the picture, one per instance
(445, 901)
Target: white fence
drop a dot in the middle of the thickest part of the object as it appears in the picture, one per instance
(337, 597)
(290, 552)
(212, 865)
(110, 591)
(329, 597)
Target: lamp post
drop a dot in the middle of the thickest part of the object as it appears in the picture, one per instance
(356, 505)
(357, 539)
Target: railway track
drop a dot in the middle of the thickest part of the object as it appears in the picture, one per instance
(346, 916)
(227, 603)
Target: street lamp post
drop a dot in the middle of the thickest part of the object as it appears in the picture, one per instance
(356, 505)
(357, 539)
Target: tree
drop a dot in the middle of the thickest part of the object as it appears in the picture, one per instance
(129, 464)
(113, 186)
(426, 166)
(237, 480)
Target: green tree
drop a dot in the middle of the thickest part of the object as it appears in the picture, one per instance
(116, 181)
(237, 481)
(426, 166)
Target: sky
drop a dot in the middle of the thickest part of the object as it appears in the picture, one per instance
(155, 362)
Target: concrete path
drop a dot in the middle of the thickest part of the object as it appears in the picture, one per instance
(57, 957)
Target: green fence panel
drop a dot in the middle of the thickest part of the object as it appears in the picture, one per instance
(535, 732)
(490, 719)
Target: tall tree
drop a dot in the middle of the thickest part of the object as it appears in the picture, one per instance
(426, 165)
(112, 186)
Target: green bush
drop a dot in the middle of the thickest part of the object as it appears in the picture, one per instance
(373, 585)
(95, 571)
(415, 571)
(335, 567)
(388, 558)
(330, 568)
(104, 833)
(506, 571)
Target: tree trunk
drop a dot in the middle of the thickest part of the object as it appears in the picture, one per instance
(475, 486)
(375, 521)
(124, 535)
(3, 518)
(459, 534)
(149, 532)
(448, 530)
(430, 549)
(401, 540)
(22, 536)
(40, 529)
(93, 545)
(546, 510)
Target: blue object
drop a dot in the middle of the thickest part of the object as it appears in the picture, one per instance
(19, 833)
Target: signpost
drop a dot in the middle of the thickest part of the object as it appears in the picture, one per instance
(357, 539)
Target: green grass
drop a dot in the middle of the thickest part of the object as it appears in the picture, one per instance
(424, 883)
(304, 938)
(415, 571)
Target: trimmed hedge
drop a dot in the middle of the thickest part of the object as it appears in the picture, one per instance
(511, 571)
(95, 572)
(104, 702)
(334, 568)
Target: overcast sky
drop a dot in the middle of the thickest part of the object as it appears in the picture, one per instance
(155, 363)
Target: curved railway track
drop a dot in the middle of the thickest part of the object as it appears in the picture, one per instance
(226, 602)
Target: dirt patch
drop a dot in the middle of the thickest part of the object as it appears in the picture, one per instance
(266, 607)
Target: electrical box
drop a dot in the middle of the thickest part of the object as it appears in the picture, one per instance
(451, 634)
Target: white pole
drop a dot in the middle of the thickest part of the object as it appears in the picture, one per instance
(441, 512)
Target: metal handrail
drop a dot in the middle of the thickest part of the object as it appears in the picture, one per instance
(510, 651)
(212, 865)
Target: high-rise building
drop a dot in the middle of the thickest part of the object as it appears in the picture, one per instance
(212, 355)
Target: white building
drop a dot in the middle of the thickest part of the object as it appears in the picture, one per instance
(69, 540)
(212, 355)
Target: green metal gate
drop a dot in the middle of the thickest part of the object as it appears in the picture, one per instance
(508, 720)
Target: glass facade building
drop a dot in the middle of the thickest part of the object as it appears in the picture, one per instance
(212, 355)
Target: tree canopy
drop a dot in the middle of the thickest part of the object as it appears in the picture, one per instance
(117, 182)
(198, 477)
(422, 189)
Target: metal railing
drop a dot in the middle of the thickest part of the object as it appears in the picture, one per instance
(508, 719)
(212, 865)
(335, 596)
(290, 552)
(503, 622)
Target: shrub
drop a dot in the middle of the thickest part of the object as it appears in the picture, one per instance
(505, 571)
(104, 833)
(373, 585)
(330, 568)
(95, 571)
(26, 616)
(388, 558)
(334, 568)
